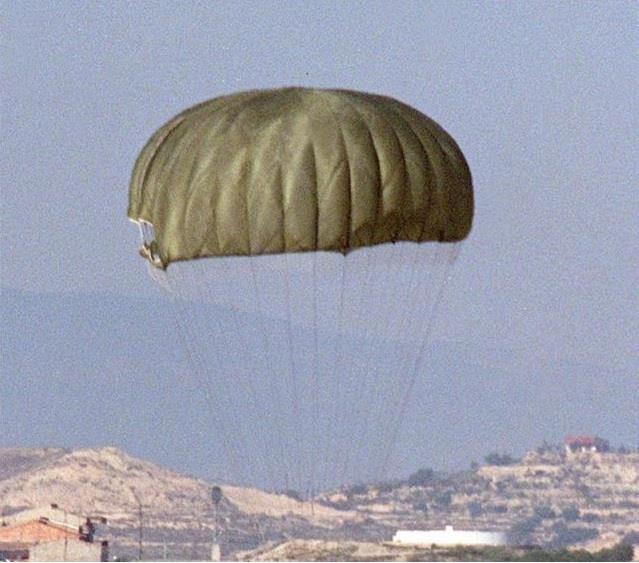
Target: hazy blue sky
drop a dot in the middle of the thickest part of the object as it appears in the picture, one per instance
(541, 96)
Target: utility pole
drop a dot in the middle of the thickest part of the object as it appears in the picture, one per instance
(140, 521)
(313, 501)
(64, 556)
(216, 499)
(310, 498)
(140, 528)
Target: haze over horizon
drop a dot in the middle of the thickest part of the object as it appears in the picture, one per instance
(537, 336)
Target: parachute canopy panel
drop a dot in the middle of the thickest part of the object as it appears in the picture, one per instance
(296, 169)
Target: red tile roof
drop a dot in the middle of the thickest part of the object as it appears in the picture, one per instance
(581, 441)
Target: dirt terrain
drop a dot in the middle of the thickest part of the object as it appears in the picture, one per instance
(585, 499)
(548, 498)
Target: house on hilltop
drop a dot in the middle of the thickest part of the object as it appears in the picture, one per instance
(50, 534)
(574, 444)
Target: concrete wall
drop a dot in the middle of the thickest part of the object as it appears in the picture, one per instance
(71, 550)
(449, 536)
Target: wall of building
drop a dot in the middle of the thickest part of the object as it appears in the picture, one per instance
(449, 536)
(70, 550)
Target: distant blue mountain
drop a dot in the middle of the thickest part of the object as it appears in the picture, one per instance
(83, 370)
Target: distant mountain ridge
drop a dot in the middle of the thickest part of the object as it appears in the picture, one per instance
(85, 369)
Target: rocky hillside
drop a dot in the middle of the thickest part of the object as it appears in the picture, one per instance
(177, 515)
(548, 498)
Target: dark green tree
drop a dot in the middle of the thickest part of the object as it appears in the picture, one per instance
(495, 458)
(421, 477)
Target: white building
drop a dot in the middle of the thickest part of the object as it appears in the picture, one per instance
(449, 536)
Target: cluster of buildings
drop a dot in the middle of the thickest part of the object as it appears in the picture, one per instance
(582, 444)
(51, 534)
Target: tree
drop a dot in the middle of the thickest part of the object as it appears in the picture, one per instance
(619, 552)
(421, 477)
(444, 498)
(357, 489)
(420, 506)
(521, 532)
(495, 458)
(292, 493)
(386, 486)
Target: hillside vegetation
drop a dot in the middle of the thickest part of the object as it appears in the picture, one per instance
(548, 499)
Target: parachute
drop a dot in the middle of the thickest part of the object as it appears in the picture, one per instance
(304, 237)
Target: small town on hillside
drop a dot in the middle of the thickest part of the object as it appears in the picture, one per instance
(388, 520)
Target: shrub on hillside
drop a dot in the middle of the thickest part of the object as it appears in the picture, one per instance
(619, 552)
(545, 512)
(521, 531)
(444, 499)
(570, 514)
(564, 535)
(474, 509)
(421, 506)
(356, 490)
(387, 486)
(291, 493)
(631, 538)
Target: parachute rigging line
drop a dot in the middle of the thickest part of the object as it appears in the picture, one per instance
(303, 233)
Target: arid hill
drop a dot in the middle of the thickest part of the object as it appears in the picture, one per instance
(548, 498)
(177, 515)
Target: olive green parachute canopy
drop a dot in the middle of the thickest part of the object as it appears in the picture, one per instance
(298, 169)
